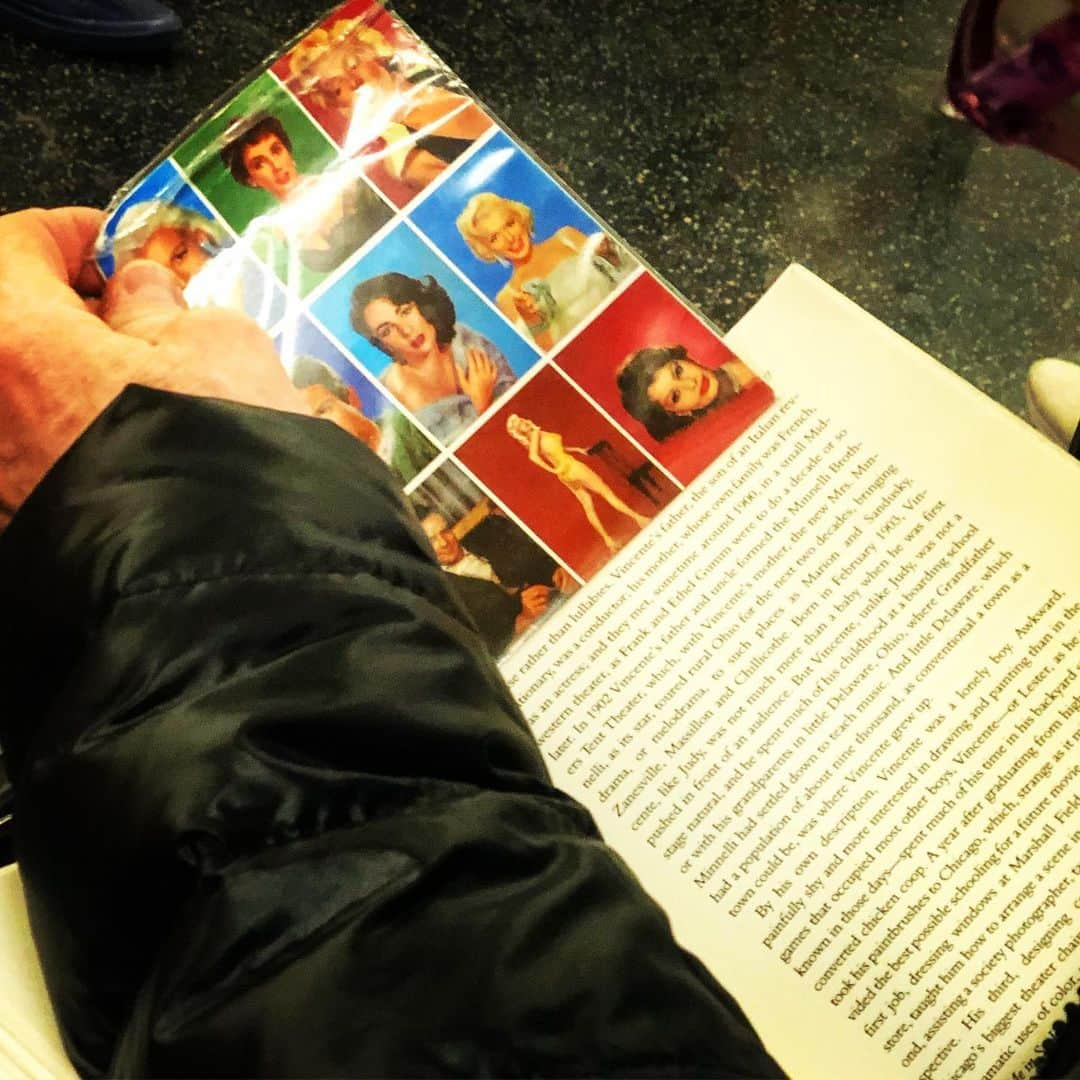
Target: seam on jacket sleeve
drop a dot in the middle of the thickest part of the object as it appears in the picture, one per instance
(415, 588)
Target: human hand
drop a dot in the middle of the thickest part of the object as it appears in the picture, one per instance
(562, 581)
(527, 307)
(740, 374)
(65, 354)
(534, 600)
(478, 378)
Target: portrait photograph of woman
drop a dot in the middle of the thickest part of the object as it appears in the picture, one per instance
(279, 182)
(335, 389)
(562, 468)
(547, 451)
(253, 155)
(164, 219)
(524, 242)
(441, 352)
(666, 377)
(379, 94)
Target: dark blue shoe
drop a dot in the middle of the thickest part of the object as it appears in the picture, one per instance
(112, 27)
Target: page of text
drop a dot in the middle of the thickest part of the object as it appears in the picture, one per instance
(829, 709)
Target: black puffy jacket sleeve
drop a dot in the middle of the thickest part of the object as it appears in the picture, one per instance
(276, 811)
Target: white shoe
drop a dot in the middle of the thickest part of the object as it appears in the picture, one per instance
(1053, 398)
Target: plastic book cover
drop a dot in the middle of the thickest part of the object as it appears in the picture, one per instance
(434, 290)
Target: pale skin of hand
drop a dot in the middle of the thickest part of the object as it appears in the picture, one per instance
(534, 600)
(67, 350)
(478, 379)
(526, 306)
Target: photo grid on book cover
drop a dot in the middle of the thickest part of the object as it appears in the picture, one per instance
(349, 261)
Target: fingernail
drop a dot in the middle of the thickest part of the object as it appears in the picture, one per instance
(151, 281)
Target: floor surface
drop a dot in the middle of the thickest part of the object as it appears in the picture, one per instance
(722, 139)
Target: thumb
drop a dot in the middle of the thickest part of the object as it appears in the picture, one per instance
(143, 299)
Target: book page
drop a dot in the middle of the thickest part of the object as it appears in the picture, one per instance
(797, 619)
(827, 707)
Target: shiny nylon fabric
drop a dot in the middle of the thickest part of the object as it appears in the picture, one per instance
(276, 811)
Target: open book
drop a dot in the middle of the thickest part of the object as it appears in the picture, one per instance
(829, 708)
(796, 613)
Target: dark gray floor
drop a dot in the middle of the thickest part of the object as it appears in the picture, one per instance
(722, 138)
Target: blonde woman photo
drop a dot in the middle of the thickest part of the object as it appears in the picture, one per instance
(547, 452)
(555, 282)
(176, 237)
